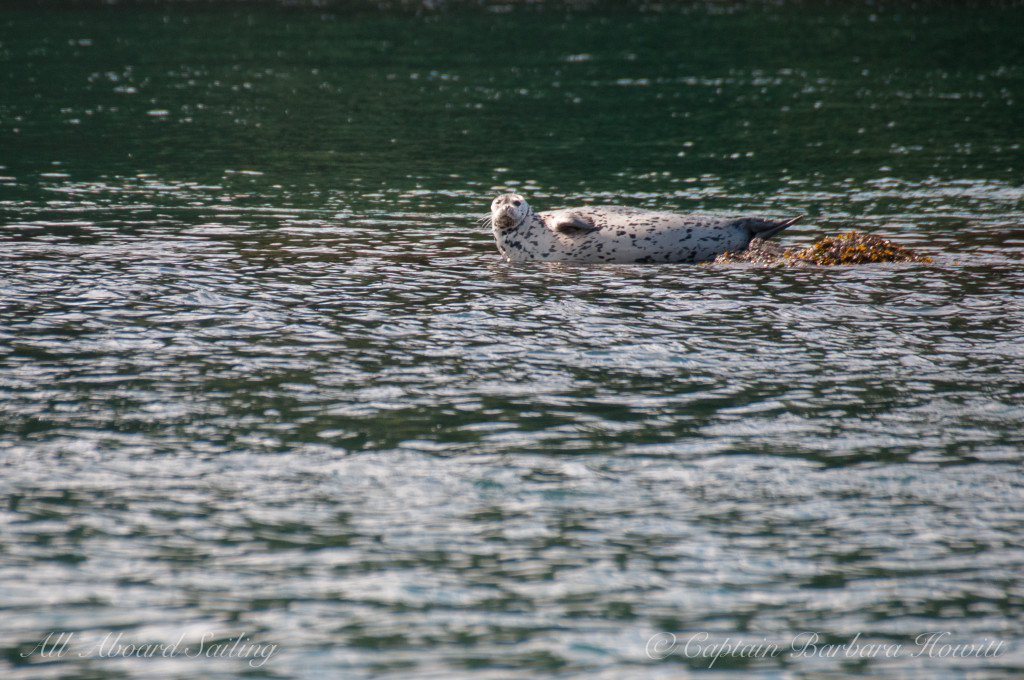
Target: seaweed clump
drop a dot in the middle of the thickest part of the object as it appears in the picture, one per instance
(849, 248)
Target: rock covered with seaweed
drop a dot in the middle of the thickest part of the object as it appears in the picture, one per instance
(849, 248)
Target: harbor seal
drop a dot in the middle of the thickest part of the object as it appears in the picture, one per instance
(616, 234)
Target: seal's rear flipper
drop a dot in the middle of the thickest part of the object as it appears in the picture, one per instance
(760, 228)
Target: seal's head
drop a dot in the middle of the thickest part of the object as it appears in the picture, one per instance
(508, 211)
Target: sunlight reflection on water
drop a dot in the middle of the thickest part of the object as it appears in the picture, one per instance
(262, 370)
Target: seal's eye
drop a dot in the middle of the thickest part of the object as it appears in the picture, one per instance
(516, 203)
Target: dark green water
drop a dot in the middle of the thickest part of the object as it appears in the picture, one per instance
(263, 376)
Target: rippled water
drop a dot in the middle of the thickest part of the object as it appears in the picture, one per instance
(272, 405)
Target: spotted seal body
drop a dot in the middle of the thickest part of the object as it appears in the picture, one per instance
(617, 234)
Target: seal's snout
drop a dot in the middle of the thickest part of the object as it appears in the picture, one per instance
(504, 221)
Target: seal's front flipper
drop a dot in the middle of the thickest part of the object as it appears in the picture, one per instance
(574, 224)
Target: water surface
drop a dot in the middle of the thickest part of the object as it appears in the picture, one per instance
(271, 400)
